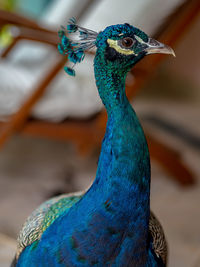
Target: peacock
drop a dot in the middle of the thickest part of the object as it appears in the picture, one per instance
(111, 223)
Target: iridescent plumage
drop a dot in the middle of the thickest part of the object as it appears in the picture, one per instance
(46, 214)
(75, 48)
(110, 224)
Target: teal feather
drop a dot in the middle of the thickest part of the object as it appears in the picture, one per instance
(72, 26)
(73, 58)
(61, 32)
(65, 43)
(76, 57)
(80, 55)
(60, 49)
(69, 71)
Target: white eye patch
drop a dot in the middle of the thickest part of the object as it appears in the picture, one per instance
(114, 44)
(139, 39)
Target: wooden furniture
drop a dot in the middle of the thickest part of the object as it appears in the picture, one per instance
(87, 134)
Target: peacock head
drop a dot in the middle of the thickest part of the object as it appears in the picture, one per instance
(120, 45)
(124, 45)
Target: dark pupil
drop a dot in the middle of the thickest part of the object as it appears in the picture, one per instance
(127, 42)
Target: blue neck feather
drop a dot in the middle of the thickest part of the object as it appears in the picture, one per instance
(123, 175)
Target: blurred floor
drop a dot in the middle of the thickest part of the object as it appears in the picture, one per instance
(29, 166)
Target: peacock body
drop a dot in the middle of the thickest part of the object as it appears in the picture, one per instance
(110, 224)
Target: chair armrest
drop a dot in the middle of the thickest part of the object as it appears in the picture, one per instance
(7, 17)
(38, 35)
(13, 18)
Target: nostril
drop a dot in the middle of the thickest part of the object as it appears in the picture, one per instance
(153, 42)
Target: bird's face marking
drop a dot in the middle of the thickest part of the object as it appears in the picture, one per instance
(124, 45)
(120, 45)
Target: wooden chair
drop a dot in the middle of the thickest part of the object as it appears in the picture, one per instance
(88, 133)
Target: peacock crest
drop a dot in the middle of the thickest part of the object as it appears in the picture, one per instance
(83, 39)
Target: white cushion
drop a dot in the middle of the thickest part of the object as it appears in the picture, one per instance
(68, 96)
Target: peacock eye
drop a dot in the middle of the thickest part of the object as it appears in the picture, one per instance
(127, 42)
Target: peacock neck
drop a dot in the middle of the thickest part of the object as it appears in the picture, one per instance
(111, 87)
(123, 174)
(124, 138)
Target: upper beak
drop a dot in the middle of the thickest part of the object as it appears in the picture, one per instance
(153, 46)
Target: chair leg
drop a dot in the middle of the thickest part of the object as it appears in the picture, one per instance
(88, 135)
(170, 160)
(19, 118)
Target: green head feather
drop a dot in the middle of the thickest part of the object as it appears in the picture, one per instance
(121, 45)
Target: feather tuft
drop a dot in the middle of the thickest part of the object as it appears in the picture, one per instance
(75, 49)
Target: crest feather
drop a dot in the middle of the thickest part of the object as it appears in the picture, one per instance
(75, 48)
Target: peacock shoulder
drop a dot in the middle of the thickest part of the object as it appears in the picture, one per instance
(158, 238)
(49, 211)
(43, 217)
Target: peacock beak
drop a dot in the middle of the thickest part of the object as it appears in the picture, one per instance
(153, 47)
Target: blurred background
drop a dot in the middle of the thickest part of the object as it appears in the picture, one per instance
(51, 125)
